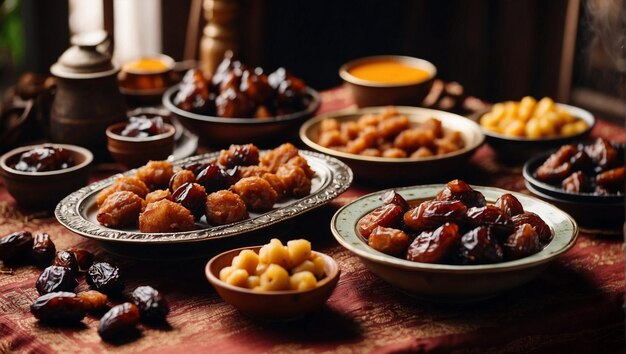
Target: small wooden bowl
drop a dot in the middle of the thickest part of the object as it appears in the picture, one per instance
(371, 93)
(272, 305)
(134, 152)
(43, 190)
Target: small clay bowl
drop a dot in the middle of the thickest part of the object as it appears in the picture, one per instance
(134, 152)
(43, 190)
(272, 305)
(373, 93)
(145, 85)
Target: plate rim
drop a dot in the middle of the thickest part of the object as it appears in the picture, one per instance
(68, 210)
(537, 259)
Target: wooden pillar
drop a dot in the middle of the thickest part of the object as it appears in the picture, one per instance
(219, 34)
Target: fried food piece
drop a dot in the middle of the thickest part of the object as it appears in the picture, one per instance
(303, 164)
(120, 208)
(256, 193)
(156, 174)
(157, 195)
(165, 216)
(252, 171)
(278, 157)
(126, 183)
(225, 207)
(277, 184)
(181, 177)
(296, 180)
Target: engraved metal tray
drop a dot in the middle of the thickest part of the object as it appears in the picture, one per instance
(77, 211)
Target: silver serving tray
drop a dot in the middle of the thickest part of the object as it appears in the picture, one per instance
(77, 211)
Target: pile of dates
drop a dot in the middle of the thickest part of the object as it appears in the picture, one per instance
(239, 91)
(457, 227)
(45, 158)
(143, 126)
(58, 302)
(596, 168)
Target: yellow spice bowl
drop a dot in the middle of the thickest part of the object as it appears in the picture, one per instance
(272, 305)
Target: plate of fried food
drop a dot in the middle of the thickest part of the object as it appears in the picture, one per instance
(205, 197)
(395, 145)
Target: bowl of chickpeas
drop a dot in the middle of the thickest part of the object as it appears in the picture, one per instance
(521, 129)
(274, 281)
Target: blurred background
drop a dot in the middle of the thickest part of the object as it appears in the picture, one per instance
(571, 50)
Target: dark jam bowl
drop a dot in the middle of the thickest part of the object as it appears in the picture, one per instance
(43, 190)
(221, 132)
(594, 213)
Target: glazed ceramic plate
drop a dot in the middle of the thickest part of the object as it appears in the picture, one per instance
(396, 171)
(77, 212)
(456, 283)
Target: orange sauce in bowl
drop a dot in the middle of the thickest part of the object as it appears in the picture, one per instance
(146, 65)
(389, 72)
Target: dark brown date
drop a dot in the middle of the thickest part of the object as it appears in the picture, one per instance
(193, 197)
(119, 321)
(56, 278)
(479, 246)
(558, 165)
(43, 249)
(65, 259)
(239, 155)
(393, 197)
(84, 259)
(581, 161)
(388, 215)
(493, 216)
(431, 214)
(388, 240)
(602, 153)
(575, 183)
(45, 158)
(435, 246)
(58, 307)
(212, 178)
(151, 304)
(541, 228)
(509, 204)
(105, 278)
(231, 103)
(15, 247)
(93, 301)
(612, 179)
(521, 243)
(461, 191)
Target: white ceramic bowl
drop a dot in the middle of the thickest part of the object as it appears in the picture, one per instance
(453, 283)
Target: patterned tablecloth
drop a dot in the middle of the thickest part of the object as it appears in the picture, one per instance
(574, 306)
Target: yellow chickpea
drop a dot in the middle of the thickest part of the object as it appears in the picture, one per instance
(544, 106)
(526, 108)
(238, 277)
(547, 129)
(497, 111)
(532, 128)
(248, 260)
(319, 271)
(299, 251)
(261, 268)
(307, 266)
(302, 281)
(253, 281)
(275, 278)
(515, 128)
(225, 272)
(510, 110)
(274, 252)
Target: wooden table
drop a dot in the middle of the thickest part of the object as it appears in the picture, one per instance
(574, 306)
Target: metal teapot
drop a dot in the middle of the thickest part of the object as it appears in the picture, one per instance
(87, 98)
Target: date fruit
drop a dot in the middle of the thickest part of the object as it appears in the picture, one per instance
(558, 165)
(65, 259)
(151, 304)
(387, 216)
(84, 259)
(193, 197)
(479, 246)
(93, 300)
(461, 191)
(431, 214)
(118, 321)
(16, 246)
(393, 197)
(105, 278)
(509, 204)
(493, 216)
(521, 243)
(575, 183)
(212, 178)
(43, 249)
(541, 228)
(56, 278)
(58, 307)
(388, 240)
(239, 155)
(435, 246)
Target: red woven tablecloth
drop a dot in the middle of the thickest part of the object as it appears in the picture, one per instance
(574, 306)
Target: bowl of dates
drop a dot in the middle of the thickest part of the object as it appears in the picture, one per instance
(394, 145)
(586, 180)
(240, 104)
(274, 281)
(38, 176)
(140, 139)
(454, 242)
(519, 130)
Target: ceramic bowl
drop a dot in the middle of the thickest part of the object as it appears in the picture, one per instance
(146, 86)
(221, 132)
(595, 213)
(453, 283)
(371, 93)
(43, 190)
(520, 149)
(134, 152)
(272, 305)
(396, 171)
